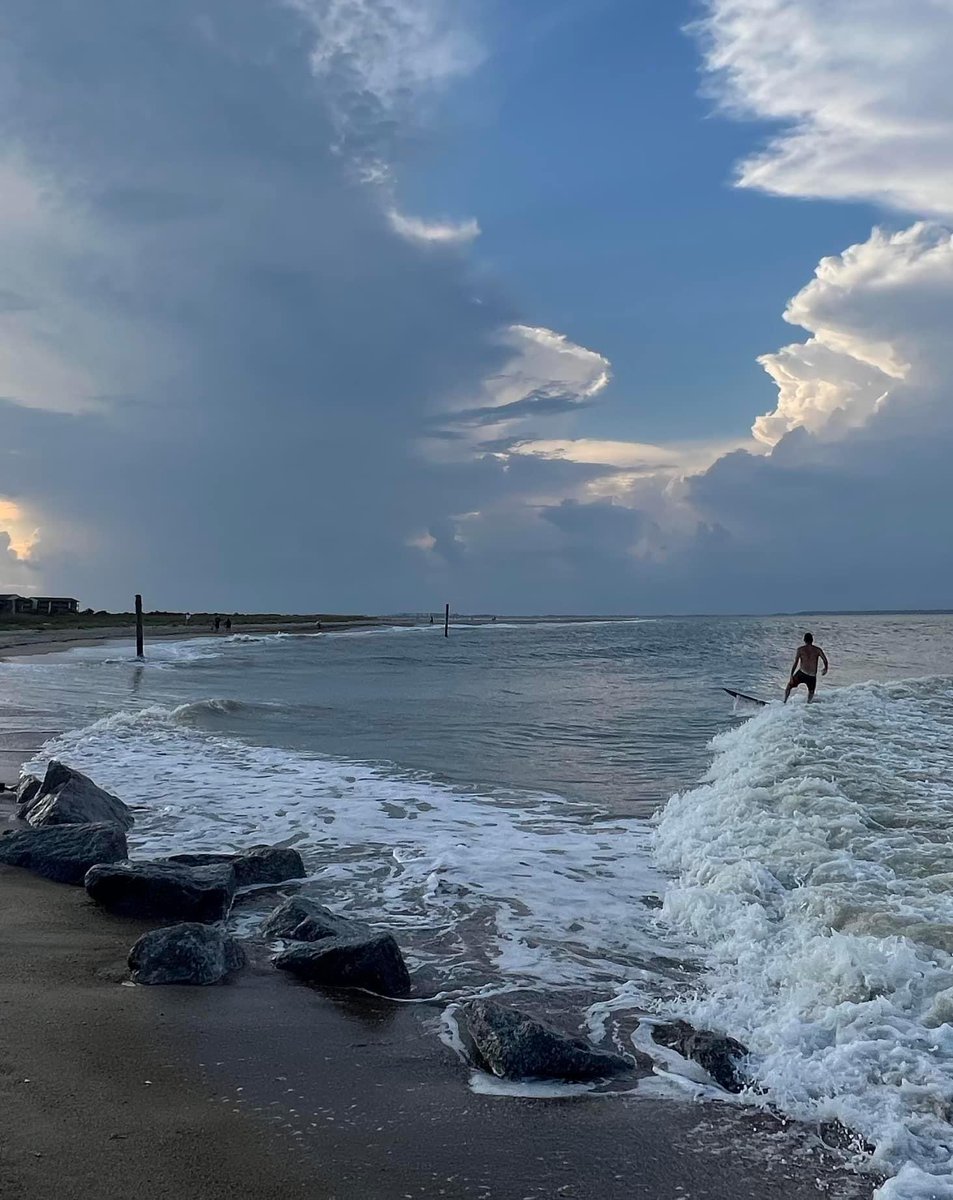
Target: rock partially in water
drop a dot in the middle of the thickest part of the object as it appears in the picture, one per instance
(513, 1045)
(68, 797)
(167, 891)
(302, 920)
(721, 1056)
(373, 962)
(28, 789)
(256, 865)
(63, 853)
(187, 953)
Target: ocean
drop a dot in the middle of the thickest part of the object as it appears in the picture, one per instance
(573, 812)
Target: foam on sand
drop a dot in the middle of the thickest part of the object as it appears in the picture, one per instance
(515, 889)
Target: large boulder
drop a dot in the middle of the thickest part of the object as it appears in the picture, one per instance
(256, 865)
(163, 890)
(302, 920)
(63, 853)
(721, 1056)
(68, 797)
(373, 962)
(185, 953)
(28, 789)
(513, 1045)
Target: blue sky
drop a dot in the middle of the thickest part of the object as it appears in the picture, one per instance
(603, 184)
(368, 304)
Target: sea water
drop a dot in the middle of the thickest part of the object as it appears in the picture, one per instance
(573, 812)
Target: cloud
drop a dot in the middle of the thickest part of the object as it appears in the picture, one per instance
(416, 229)
(382, 62)
(876, 313)
(859, 88)
(545, 376)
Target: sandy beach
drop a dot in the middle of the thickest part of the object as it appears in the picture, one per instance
(17, 642)
(262, 1087)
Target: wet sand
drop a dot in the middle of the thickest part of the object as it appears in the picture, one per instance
(263, 1087)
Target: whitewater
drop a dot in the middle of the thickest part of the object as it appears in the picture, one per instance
(574, 815)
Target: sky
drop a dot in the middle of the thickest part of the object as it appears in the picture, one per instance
(567, 306)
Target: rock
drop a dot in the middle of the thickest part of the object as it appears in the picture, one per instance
(720, 1056)
(256, 865)
(373, 962)
(27, 789)
(513, 1045)
(63, 853)
(186, 953)
(163, 890)
(304, 920)
(68, 797)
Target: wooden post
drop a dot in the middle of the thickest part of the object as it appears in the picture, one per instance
(139, 651)
(446, 621)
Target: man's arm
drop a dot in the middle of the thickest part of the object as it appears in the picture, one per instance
(797, 659)
(823, 659)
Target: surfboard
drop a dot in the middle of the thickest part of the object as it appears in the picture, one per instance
(744, 696)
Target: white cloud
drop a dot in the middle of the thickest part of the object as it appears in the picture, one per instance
(391, 49)
(860, 86)
(416, 229)
(877, 313)
(636, 457)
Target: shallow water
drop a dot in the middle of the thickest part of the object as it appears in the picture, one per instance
(490, 797)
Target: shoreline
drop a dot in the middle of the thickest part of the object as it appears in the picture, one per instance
(14, 644)
(262, 1086)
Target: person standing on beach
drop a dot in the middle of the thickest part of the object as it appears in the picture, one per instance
(228, 624)
(217, 623)
(805, 668)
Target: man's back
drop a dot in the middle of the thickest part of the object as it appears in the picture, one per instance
(807, 659)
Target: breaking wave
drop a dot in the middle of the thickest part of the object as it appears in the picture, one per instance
(814, 863)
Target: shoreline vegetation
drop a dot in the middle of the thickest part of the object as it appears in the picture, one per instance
(257, 1085)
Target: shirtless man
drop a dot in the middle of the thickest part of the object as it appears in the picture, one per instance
(805, 667)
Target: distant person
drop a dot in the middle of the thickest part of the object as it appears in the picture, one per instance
(805, 668)
(228, 624)
(188, 618)
(431, 618)
(217, 623)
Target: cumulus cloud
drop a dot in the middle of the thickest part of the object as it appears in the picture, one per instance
(859, 87)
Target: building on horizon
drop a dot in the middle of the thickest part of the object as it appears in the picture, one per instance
(50, 606)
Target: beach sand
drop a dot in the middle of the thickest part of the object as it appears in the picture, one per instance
(262, 1088)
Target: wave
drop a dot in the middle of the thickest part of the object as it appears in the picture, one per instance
(814, 863)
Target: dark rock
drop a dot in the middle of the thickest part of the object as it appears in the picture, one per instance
(513, 1045)
(373, 962)
(186, 953)
(256, 865)
(163, 890)
(722, 1057)
(63, 853)
(304, 920)
(27, 789)
(68, 797)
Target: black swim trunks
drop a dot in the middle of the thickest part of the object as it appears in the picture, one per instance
(800, 677)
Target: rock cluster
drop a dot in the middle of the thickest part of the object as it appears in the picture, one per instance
(75, 832)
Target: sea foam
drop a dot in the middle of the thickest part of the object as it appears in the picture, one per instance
(814, 863)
